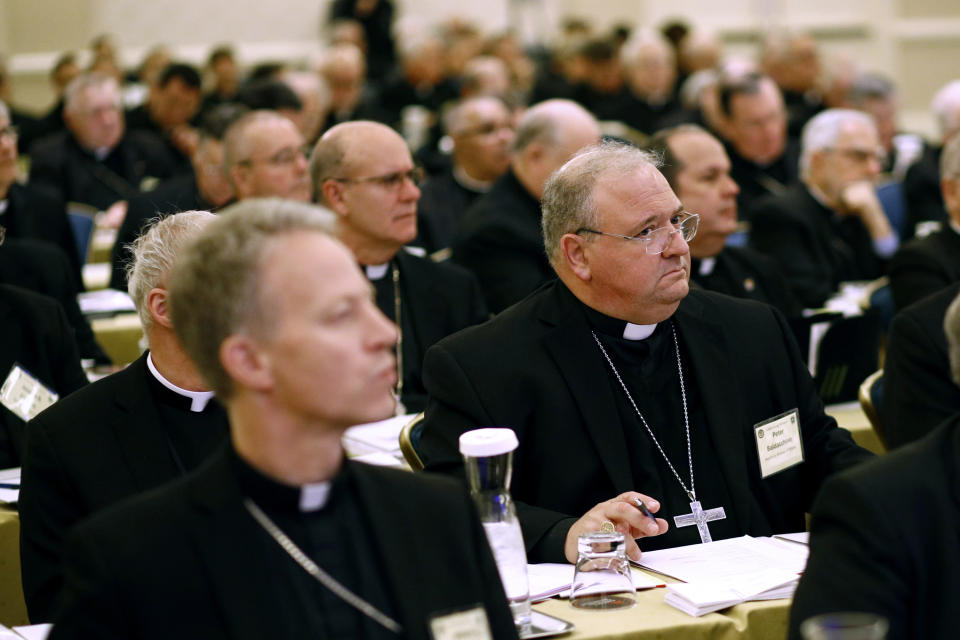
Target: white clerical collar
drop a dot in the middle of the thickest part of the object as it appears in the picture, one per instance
(101, 152)
(465, 180)
(313, 497)
(376, 271)
(638, 331)
(198, 399)
(3, 205)
(707, 265)
(953, 224)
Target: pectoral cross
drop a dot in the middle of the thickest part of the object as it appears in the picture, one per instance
(700, 518)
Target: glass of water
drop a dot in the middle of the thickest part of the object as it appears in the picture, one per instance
(602, 578)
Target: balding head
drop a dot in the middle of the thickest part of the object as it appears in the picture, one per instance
(364, 172)
(345, 70)
(482, 133)
(263, 157)
(548, 135)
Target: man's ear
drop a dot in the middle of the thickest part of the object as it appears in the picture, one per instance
(246, 363)
(333, 195)
(158, 303)
(239, 179)
(573, 250)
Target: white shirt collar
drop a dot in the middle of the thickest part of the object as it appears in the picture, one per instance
(707, 265)
(3, 205)
(480, 186)
(198, 399)
(313, 497)
(376, 271)
(638, 331)
(953, 224)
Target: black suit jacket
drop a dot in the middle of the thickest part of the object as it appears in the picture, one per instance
(61, 167)
(34, 214)
(443, 203)
(924, 266)
(500, 241)
(42, 268)
(757, 182)
(535, 369)
(34, 333)
(94, 449)
(884, 539)
(439, 299)
(921, 190)
(177, 194)
(745, 273)
(815, 249)
(188, 560)
(918, 392)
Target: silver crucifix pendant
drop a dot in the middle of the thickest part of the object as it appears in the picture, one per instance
(700, 518)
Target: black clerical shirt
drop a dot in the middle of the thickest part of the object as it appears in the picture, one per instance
(191, 435)
(335, 536)
(649, 370)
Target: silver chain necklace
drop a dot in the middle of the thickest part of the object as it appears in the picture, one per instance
(398, 391)
(321, 576)
(691, 492)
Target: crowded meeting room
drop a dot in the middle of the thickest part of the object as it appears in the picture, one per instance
(370, 319)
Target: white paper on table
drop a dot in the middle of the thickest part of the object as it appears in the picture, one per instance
(11, 477)
(7, 633)
(380, 459)
(699, 598)
(726, 559)
(382, 436)
(34, 631)
(550, 579)
(104, 301)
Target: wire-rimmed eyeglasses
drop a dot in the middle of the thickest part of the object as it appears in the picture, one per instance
(656, 241)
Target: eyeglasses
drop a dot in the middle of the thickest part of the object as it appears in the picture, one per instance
(861, 156)
(486, 129)
(656, 241)
(283, 158)
(390, 180)
(10, 131)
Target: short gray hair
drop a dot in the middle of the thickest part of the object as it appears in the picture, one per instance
(822, 131)
(85, 81)
(951, 327)
(545, 123)
(870, 86)
(568, 194)
(950, 160)
(236, 146)
(946, 106)
(154, 253)
(215, 288)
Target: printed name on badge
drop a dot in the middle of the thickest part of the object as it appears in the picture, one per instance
(468, 624)
(779, 443)
(24, 395)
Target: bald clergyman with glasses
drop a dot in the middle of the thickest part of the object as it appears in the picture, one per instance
(622, 383)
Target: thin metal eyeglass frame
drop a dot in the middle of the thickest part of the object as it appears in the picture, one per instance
(683, 228)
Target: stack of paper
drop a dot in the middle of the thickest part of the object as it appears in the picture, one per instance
(552, 579)
(33, 632)
(377, 442)
(727, 572)
(10, 485)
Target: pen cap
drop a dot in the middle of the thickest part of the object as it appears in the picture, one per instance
(492, 441)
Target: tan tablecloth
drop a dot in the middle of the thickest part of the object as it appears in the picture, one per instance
(119, 336)
(13, 610)
(852, 418)
(652, 619)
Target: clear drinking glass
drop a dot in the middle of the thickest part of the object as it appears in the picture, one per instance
(845, 626)
(602, 579)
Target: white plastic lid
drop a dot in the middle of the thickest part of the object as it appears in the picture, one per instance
(491, 441)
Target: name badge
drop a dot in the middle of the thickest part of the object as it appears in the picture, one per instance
(467, 624)
(779, 443)
(24, 395)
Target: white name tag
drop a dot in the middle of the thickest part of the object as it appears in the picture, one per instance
(25, 395)
(469, 624)
(779, 443)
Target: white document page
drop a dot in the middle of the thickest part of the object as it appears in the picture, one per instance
(34, 631)
(726, 560)
(382, 436)
(550, 579)
(10, 485)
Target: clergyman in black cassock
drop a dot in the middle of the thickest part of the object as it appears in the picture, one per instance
(542, 369)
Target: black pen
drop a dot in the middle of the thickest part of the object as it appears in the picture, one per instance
(644, 510)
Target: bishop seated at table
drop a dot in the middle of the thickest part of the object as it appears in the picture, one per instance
(277, 535)
(622, 383)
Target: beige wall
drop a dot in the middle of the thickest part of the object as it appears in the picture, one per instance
(915, 41)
